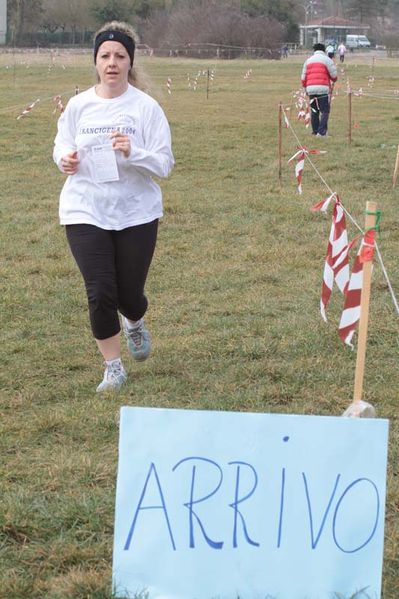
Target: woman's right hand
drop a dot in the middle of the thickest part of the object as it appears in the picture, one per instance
(70, 163)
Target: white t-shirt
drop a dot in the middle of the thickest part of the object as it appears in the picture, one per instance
(134, 198)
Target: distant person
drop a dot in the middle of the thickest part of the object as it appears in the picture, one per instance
(330, 50)
(342, 51)
(284, 51)
(319, 73)
(112, 139)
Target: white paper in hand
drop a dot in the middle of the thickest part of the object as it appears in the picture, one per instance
(105, 165)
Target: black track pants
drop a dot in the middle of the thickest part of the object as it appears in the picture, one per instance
(114, 266)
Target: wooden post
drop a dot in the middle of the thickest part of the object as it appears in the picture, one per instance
(396, 169)
(370, 221)
(350, 117)
(280, 143)
(207, 85)
(330, 96)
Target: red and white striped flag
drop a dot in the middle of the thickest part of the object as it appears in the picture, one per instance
(314, 101)
(58, 104)
(304, 115)
(343, 255)
(169, 85)
(324, 204)
(307, 118)
(28, 109)
(299, 156)
(351, 311)
(301, 103)
(336, 266)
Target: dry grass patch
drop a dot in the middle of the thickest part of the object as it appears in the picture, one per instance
(234, 294)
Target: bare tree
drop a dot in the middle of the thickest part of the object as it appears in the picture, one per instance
(70, 15)
(213, 22)
(23, 17)
(110, 10)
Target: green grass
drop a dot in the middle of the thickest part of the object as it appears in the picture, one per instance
(234, 293)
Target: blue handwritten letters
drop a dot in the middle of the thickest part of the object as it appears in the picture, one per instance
(215, 505)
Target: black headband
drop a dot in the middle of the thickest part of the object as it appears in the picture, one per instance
(115, 36)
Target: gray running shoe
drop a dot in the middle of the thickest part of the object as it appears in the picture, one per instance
(138, 340)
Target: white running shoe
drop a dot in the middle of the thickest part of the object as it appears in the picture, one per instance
(114, 377)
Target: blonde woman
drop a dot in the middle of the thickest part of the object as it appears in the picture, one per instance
(112, 139)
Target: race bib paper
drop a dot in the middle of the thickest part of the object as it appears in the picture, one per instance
(105, 165)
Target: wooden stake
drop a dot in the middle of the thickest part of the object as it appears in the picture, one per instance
(350, 117)
(370, 221)
(396, 169)
(207, 85)
(280, 143)
(330, 96)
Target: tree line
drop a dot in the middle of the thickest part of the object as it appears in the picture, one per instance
(263, 24)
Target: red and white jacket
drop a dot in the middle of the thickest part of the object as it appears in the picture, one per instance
(318, 73)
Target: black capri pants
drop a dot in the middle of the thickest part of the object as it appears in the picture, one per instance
(114, 266)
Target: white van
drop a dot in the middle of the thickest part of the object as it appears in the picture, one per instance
(357, 41)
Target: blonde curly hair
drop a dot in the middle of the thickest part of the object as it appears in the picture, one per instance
(136, 76)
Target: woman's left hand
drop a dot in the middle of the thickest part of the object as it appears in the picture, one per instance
(121, 142)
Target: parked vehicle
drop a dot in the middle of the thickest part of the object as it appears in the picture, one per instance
(357, 41)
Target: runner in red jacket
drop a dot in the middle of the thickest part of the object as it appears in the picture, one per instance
(319, 73)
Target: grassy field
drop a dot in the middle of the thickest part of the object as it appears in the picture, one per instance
(234, 296)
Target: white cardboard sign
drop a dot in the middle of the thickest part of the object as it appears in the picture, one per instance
(221, 505)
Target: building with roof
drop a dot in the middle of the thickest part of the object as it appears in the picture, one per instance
(330, 28)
